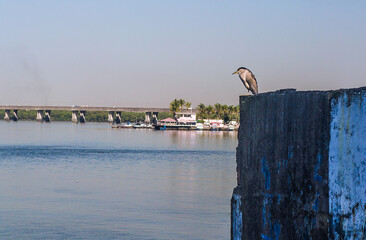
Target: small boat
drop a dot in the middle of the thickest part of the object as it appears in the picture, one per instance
(199, 126)
(139, 125)
(123, 125)
(231, 128)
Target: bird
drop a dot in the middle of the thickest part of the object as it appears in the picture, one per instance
(248, 79)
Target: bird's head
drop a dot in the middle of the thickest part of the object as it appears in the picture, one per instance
(241, 69)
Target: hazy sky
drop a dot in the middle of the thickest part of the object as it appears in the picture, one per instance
(146, 53)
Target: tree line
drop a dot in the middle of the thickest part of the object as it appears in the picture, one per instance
(91, 116)
(217, 111)
(178, 105)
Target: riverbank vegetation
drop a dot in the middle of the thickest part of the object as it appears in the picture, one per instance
(217, 111)
(178, 105)
(90, 116)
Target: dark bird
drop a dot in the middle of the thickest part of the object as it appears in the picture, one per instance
(248, 79)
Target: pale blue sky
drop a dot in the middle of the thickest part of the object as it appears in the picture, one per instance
(146, 53)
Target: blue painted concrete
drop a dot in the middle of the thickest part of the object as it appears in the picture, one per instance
(266, 173)
(347, 166)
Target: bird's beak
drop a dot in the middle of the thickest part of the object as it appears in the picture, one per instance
(235, 72)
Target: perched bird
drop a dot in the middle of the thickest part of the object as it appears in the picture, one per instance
(248, 79)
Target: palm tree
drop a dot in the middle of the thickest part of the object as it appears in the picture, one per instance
(209, 110)
(224, 113)
(188, 105)
(218, 110)
(202, 112)
(181, 104)
(237, 113)
(231, 112)
(224, 109)
(174, 106)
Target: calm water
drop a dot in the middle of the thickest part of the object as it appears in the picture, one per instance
(73, 181)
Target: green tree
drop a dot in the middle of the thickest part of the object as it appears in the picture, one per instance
(164, 115)
(231, 112)
(202, 112)
(174, 106)
(209, 110)
(218, 110)
(181, 104)
(237, 113)
(188, 105)
(225, 113)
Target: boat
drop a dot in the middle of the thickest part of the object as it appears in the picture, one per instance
(139, 125)
(231, 127)
(173, 124)
(123, 125)
(216, 126)
(199, 126)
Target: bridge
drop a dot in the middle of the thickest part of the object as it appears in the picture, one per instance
(114, 113)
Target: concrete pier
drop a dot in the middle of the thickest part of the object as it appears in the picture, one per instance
(301, 166)
(118, 117)
(47, 116)
(82, 117)
(39, 116)
(7, 113)
(110, 116)
(15, 115)
(147, 117)
(155, 117)
(74, 117)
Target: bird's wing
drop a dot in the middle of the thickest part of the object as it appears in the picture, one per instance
(252, 83)
(246, 84)
(243, 79)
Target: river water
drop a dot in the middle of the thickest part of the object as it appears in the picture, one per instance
(88, 181)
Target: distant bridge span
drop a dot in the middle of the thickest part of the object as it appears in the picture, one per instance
(114, 113)
(84, 108)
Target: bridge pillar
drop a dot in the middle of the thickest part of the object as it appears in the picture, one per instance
(147, 117)
(110, 116)
(6, 117)
(82, 116)
(39, 116)
(118, 117)
(74, 117)
(15, 115)
(155, 117)
(47, 116)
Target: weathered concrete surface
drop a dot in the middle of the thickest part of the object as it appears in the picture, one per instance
(283, 166)
(347, 165)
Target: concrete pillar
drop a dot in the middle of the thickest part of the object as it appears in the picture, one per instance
(7, 113)
(82, 116)
(39, 116)
(118, 117)
(15, 115)
(47, 116)
(74, 117)
(148, 117)
(301, 166)
(110, 116)
(155, 117)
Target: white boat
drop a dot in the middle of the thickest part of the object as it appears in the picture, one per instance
(139, 125)
(199, 126)
(231, 127)
(126, 125)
